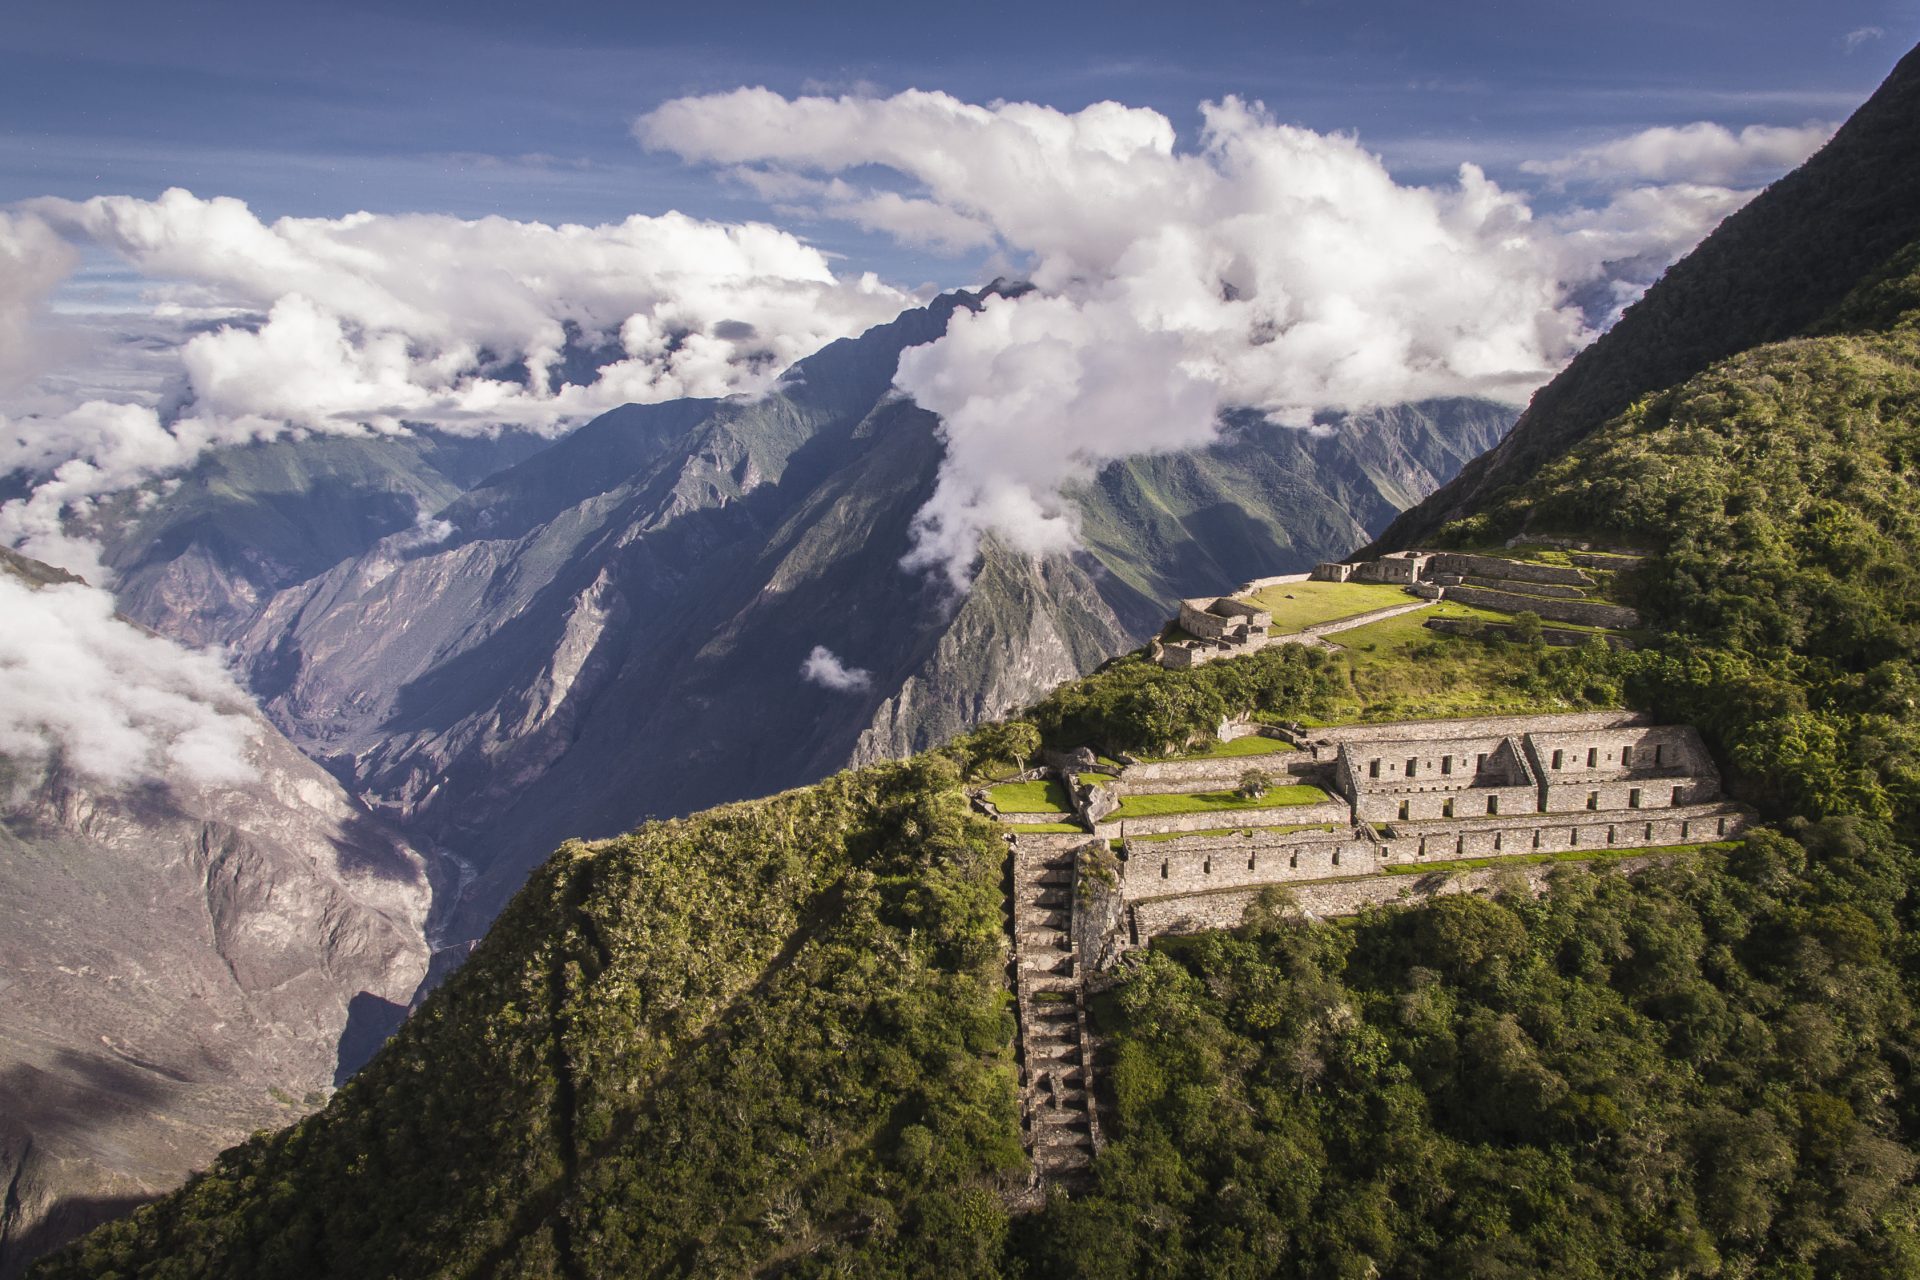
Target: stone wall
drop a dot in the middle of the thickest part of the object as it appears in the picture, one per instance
(1163, 777)
(1515, 570)
(1161, 824)
(1160, 868)
(1393, 568)
(1480, 727)
(1433, 805)
(1586, 613)
(1544, 833)
(1226, 910)
(1552, 635)
(1552, 589)
(1577, 751)
(1415, 764)
(1196, 619)
(1659, 792)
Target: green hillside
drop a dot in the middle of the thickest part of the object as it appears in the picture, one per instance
(773, 1039)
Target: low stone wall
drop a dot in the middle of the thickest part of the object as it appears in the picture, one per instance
(1278, 580)
(1162, 867)
(1357, 621)
(1606, 560)
(1468, 566)
(1198, 913)
(1164, 777)
(1548, 833)
(1659, 791)
(1482, 727)
(1161, 824)
(1548, 635)
(1553, 589)
(1587, 613)
(1431, 805)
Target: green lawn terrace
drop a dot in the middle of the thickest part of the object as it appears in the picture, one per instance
(1298, 606)
(1532, 592)
(1038, 805)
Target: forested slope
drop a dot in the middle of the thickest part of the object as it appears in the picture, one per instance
(1771, 271)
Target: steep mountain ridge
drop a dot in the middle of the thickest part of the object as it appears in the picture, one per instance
(1773, 270)
(196, 555)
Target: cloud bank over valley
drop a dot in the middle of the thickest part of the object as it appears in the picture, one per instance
(1261, 267)
(1268, 267)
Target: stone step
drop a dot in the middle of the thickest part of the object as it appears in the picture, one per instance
(1052, 918)
(1046, 1029)
(1068, 1110)
(1051, 1017)
(1062, 876)
(1055, 1160)
(1050, 982)
(1049, 896)
(1034, 941)
(1059, 1135)
(1057, 962)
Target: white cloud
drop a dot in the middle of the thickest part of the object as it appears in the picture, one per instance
(1862, 35)
(112, 701)
(370, 323)
(33, 261)
(1701, 153)
(1271, 267)
(827, 671)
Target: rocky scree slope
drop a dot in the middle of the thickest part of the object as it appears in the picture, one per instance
(181, 964)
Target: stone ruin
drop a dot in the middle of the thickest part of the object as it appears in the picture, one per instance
(1401, 798)
(1229, 626)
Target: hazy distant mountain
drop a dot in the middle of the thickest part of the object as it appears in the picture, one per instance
(195, 556)
(181, 964)
(614, 627)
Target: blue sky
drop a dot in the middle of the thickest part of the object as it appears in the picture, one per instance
(494, 107)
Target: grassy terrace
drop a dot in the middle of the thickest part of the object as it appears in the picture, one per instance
(1050, 828)
(1041, 796)
(1295, 606)
(1403, 671)
(1215, 801)
(1236, 831)
(1565, 855)
(1249, 746)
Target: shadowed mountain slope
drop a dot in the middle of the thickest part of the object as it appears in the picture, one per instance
(181, 963)
(1772, 270)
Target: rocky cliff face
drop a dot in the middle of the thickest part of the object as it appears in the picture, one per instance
(181, 964)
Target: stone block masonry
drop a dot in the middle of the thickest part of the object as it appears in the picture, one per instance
(1201, 864)
(1112, 828)
(1585, 613)
(1200, 913)
(1470, 566)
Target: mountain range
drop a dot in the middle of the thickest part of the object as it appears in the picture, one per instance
(612, 626)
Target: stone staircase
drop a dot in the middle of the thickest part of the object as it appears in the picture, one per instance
(1061, 1127)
